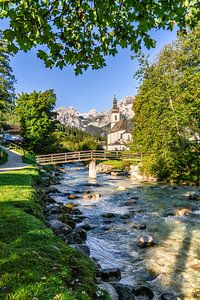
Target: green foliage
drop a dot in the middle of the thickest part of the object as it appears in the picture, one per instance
(7, 81)
(37, 119)
(167, 106)
(81, 33)
(35, 263)
(73, 139)
(118, 164)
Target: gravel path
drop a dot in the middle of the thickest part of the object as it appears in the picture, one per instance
(14, 161)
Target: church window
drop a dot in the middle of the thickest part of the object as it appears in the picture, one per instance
(115, 118)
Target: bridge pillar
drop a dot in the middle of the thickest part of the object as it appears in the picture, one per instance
(92, 169)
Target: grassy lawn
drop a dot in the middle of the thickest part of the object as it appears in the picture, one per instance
(34, 263)
(119, 164)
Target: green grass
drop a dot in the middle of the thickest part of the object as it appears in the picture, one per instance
(33, 261)
(119, 164)
(4, 158)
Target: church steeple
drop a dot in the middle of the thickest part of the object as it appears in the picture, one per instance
(115, 115)
(115, 108)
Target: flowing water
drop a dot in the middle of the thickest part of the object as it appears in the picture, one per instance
(173, 262)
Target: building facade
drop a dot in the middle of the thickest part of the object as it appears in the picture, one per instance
(120, 132)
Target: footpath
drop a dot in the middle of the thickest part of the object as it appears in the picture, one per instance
(14, 161)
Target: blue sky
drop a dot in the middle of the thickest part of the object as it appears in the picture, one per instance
(92, 89)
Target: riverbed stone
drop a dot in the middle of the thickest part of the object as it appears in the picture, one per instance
(78, 236)
(52, 209)
(141, 226)
(134, 197)
(143, 292)
(82, 233)
(110, 274)
(84, 226)
(183, 212)
(146, 241)
(121, 188)
(168, 296)
(194, 196)
(130, 202)
(109, 215)
(60, 227)
(72, 196)
(53, 189)
(82, 248)
(124, 291)
(110, 290)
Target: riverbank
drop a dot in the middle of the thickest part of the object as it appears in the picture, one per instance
(35, 264)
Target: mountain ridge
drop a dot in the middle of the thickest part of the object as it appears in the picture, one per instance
(96, 123)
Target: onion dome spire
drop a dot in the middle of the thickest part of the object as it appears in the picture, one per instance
(115, 107)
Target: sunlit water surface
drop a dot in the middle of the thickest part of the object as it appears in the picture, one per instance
(173, 262)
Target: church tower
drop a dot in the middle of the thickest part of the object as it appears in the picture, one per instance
(115, 115)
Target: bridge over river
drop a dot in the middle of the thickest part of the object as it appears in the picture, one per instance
(90, 155)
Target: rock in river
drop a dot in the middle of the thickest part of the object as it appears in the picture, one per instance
(110, 274)
(145, 241)
(72, 196)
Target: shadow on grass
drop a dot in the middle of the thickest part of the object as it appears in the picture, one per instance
(15, 178)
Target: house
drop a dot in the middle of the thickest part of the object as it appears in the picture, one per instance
(120, 132)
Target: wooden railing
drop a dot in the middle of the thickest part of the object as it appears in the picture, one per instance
(60, 158)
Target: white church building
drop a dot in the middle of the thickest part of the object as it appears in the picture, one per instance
(120, 132)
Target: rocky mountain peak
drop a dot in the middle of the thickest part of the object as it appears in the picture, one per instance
(92, 119)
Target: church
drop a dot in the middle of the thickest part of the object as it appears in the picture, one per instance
(120, 132)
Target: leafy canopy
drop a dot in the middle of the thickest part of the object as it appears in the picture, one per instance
(81, 33)
(167, 110)
(7, 78)
(37, 119)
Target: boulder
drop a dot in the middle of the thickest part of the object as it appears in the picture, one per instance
(128, 215)
(183, 212)
(82, 233)
(110, 274)
(53, 189)
(101, 168)
(121, 188)
(168, 296)
(194, 196)
(140, 226)
(84, 226)
(109, 289)
(146, 241)
(135, 197)
(76, 237)
(109, 215)
(51, 209)
(143, 291)
(81, 248)
(124, 291)
(72, 196)
(87, 196)
(130, 202)
(60, 227)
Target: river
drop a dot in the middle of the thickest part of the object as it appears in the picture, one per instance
(173, 262)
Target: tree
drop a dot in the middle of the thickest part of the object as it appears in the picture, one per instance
(167, 106)
(81, 33)
(7, 79)
(37, 119)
